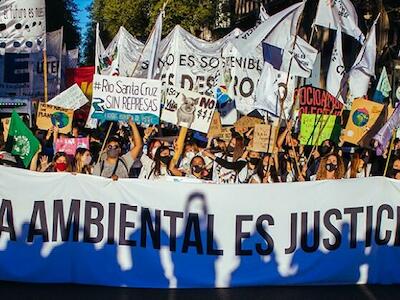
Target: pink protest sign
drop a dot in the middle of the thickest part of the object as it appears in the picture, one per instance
(69, 145)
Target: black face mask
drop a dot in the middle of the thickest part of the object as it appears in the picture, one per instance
(165, 160)
(253, 161)
(394, 172)
(331, 167)
(324, 150)
(197, 169)
(230, 149)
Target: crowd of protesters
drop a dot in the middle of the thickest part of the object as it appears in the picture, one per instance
(154, 153)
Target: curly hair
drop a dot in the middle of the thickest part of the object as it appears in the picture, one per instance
(339, 172)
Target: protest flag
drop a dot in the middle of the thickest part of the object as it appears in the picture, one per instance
(383, 88)
(24, 143)
(336, 68)
(364, 66)
(249, 42)
(339, 15)
(153, 46)
(384, 134)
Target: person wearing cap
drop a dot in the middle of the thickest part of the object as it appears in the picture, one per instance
(115, 165)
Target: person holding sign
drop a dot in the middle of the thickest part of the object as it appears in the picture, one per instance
(266, 171)
(114, 165)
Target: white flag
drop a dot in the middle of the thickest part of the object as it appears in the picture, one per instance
(339, 13)
(72, 58)
(336, 68)
(23, 26)
(364, 66)
(270, 89)
(248, 41)
(152, 49)
(263, 14)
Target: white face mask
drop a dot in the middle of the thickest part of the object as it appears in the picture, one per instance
(190, 155)
(87, 161)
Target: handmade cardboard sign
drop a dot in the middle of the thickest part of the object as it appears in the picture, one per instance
(49, 116)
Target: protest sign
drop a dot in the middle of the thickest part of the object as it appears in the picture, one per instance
(313, 125)
(69, 145)
(363, 115)
(264, 137)
(49, 116)
(119, 98)
(72, 98)
(226, 134)
(6, 126)
(188, 109)
(246, 122)
(215, 126)
(317, 101)
(183, 235)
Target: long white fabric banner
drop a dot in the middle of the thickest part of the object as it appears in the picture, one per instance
(91, 230)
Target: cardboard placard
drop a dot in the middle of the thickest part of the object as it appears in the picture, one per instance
(264, 138)
(117, 98)
(188, 109)
(246, 122)
(311, 126)
(69, 145)
(215, 126)
(49, 116)
(6, 125)
(363, 115)
(71, 98)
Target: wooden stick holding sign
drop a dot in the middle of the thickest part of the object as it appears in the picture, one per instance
(389, 153)
(105, 142)
(180, 143)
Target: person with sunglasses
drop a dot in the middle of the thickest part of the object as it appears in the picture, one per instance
(114, 165)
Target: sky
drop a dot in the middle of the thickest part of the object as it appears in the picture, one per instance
(83, 16)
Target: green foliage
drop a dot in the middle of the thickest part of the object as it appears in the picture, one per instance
(139, 16)
(63, 13)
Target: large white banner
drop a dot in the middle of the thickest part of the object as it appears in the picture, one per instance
(92, 230)
(23, 25)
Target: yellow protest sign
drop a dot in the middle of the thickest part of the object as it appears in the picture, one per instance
(363, 115)
(264, 137)
(316, 126)
(49, 115)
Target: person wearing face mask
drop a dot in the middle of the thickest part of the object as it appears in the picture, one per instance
(331, 167)
(265, 172)
(359, 167)
(228, 167)
(82, 161)
(60, 163)
(147, 159)
(198, 169)
(394, 171)
(115, 165)
(320, 152)
(160, 164)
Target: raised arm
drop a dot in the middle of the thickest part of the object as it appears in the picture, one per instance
(137, 140)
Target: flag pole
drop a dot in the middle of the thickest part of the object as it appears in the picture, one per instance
(389, 153)
(46, 97)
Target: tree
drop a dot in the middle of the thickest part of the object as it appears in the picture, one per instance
(63, 13)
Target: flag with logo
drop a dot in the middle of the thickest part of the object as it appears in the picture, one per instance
(383, 88)
(335, 14)
(24, 143)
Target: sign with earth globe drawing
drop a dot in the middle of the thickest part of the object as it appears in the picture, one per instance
(360, 117)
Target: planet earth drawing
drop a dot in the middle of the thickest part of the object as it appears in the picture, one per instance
(59, 119)
(360, 117)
